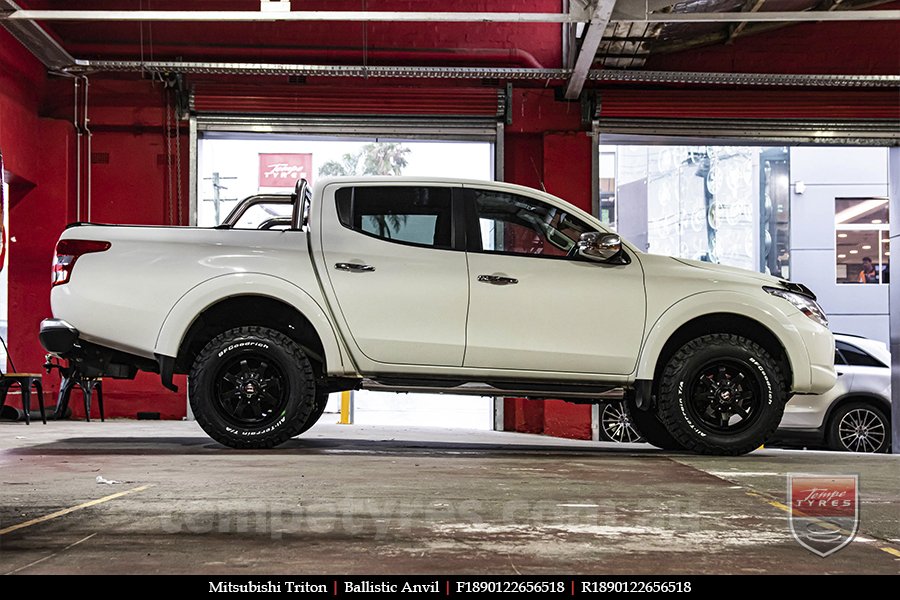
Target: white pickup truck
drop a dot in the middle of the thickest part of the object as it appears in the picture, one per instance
(440, 285)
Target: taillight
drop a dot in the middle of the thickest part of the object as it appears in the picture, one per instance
(67, 252)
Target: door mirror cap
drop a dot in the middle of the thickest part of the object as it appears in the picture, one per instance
(602, 247)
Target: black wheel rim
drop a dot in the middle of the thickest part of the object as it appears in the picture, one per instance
(250, 390)
(725, 396)
(617, 424)
(862, 430)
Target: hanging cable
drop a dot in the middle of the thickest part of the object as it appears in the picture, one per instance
(88, 137)
(167, 132)
(178, 169)
(77, 127)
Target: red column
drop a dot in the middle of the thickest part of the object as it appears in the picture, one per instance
(560, 163)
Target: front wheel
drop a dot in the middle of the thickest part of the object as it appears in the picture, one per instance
(650, 427)
(252, 387)
(722, 394)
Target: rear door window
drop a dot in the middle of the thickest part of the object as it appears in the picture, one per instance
(414, 215)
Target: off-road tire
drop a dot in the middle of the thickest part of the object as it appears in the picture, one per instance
(649, 426)
(316, 414)
(687, 365)
(297, 397)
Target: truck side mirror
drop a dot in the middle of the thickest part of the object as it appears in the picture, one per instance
(600, 247)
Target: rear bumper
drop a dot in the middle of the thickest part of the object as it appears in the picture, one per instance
(58, 337)
(61, 339)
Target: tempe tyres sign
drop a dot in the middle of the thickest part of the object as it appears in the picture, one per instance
(283, 170)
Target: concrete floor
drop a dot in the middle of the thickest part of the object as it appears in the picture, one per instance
(355, 499)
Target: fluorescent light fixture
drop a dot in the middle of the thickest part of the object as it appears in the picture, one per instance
(854, 252)
(842, 256)
(867, 247)
(859, 209)
(876, 221)
(842, 235)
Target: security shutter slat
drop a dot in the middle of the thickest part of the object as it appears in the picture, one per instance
(846, 116)
(360, 100)
(751, 104)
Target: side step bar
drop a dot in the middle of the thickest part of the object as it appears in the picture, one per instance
(584, 394)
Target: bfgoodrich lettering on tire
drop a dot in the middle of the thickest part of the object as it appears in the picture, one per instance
(721, 394)
(252, 387)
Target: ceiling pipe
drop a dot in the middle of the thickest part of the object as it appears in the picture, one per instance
(412, 72)
(342, 16)
(296, 15)
(446, 56)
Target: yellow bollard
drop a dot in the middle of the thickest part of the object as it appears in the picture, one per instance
(346, 408)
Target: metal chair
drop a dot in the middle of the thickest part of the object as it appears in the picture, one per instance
(72, 377)
(25, 382)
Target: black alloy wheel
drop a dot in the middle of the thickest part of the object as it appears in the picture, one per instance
(725, 396)
(250, 390)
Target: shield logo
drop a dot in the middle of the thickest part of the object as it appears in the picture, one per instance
(824, 513)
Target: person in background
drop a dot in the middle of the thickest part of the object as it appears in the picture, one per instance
(868, 273)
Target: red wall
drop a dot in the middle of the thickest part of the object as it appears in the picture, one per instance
(38, 154)
(35, 154)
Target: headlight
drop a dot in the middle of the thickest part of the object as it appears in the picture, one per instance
(804, 304)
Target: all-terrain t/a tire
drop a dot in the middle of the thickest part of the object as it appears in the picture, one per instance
(252, 387)
(721, 394)
(316, 414)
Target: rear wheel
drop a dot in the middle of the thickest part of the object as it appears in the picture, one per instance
(859, 427)
(721, 394)
(316, 414)
(252, 387)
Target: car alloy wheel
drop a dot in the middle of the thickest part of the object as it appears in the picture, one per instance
(617, 425)
(862, 430)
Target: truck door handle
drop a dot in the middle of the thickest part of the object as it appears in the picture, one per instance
(354, 267)
(497, 280)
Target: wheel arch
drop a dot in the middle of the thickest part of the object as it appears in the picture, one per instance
(248, 299)
(851, 397)
(652, 365)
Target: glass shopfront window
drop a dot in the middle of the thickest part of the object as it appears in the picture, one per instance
(862, 239)
(719, 204)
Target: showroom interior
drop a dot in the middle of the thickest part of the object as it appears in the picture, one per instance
(758, 134)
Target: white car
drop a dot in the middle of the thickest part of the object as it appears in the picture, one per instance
(440, 285)
(854, 415)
